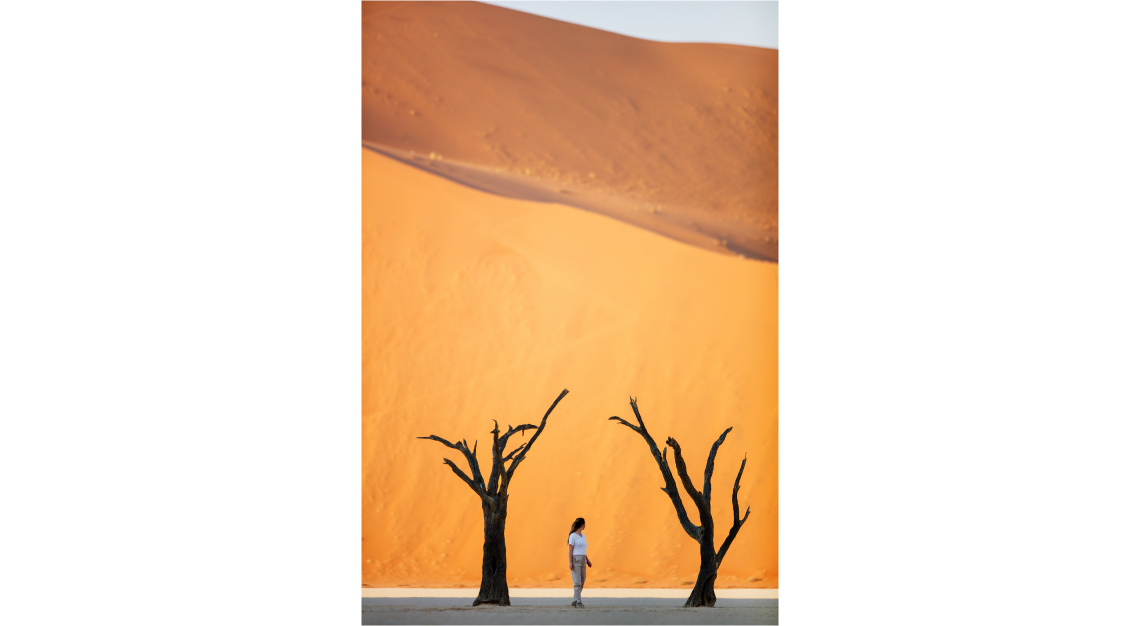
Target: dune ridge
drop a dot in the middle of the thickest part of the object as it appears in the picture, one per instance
(679, 136)
(698, 230)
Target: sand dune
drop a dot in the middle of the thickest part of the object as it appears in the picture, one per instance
(525, 187)
(550, 206)
(478, 307)
(684, 134)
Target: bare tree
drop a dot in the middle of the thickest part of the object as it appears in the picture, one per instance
(702, 594)
(493, 496)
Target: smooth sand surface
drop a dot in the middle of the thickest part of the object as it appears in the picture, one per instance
(479, 307)
(685, 134)
(550, 206)
(556, 610)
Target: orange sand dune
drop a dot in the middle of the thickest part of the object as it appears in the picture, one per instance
(477, 306)
(525, 187)
(684, 134)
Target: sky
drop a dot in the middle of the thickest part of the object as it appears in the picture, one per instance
(744, 23)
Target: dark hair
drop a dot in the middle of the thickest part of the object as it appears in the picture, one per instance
(578, 523)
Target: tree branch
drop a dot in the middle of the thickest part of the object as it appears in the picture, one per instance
(496, 461)
(472, 462)
(632, 427)
(500, 445)
(637, 414)
(470, 483)
(443, 441)
(526, 448)
(683, 472)
(508, 457)
(512, 430)
(709, 467)
(736, 521)
(458, 472)
(670, 487)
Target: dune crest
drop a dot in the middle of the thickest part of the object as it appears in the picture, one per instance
(680, 139)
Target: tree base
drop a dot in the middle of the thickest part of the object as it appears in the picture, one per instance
(497, 601)
(703, 593)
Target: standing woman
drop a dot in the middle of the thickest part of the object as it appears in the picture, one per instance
(578, 560)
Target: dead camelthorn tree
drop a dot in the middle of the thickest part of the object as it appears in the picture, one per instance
(493, 496)
(702, 594)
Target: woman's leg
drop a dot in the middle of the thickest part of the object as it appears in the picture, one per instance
(579, 575)
(583, 583)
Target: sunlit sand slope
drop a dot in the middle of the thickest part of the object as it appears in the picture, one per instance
(684, 134)
(480, 307)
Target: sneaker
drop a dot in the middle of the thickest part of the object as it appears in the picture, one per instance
(580, 605)
(574, 603)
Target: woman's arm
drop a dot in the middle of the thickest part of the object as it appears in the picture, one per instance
(571, 558)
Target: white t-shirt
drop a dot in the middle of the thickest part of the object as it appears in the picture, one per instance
(579, 543)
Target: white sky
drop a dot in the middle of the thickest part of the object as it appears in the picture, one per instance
(744, 23)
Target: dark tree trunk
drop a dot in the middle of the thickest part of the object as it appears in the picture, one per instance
(703, 593)
(493, 589)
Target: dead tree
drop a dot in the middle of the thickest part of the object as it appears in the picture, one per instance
(493, 496)
(702, 594)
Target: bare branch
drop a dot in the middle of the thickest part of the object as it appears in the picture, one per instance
(709, 467)
(512, 430)
(496, 460)
(631, 426)
(737, 522)
(670, 487)
(443, 441)
(461, 474)
(637, 414)
(470, 483)
(472, 462)
(736, 488)
(683, 472)
(508, 457)
(500, 444)
(526, 448)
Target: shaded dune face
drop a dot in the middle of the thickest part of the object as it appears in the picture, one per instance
(676, 138)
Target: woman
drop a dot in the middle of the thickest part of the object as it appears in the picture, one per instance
(578, 560)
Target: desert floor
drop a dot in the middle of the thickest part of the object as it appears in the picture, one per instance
(551, 606)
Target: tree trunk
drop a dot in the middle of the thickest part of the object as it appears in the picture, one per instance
(703, 594)
(493, 588)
